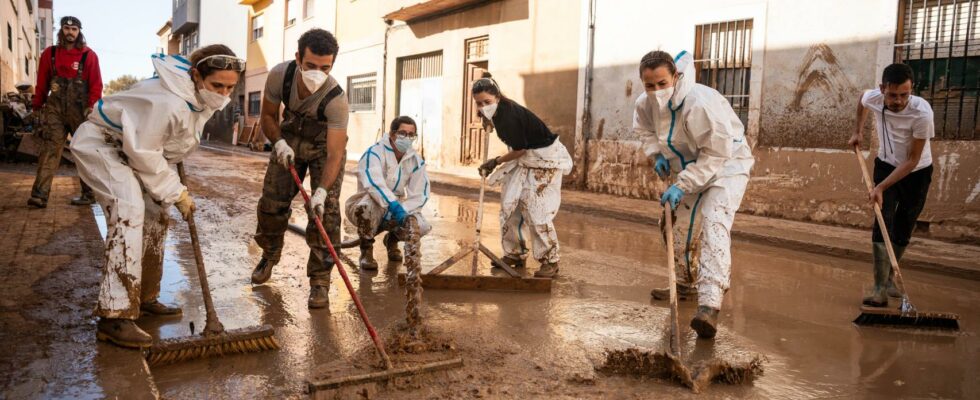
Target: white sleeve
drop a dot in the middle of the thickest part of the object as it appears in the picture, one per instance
(713, 138)
(873, 99)
(924, 126)
(370, 173)
(417, 190)
(143, 138)
(644, 129)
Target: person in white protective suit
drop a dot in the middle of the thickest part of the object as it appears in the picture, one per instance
(696, 140)
(125, 152)
(530, 176)
(392, 188)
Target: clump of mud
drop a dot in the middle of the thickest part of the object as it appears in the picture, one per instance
(401, 341)
(662, 365)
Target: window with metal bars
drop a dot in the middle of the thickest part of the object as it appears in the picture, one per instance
(940, 41)
(723, 61)
(360, 92)
(254, 103)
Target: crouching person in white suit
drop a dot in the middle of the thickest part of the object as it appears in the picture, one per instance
(125, 152)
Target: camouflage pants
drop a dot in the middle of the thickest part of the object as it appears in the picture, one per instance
(53, 128)
(275, 207)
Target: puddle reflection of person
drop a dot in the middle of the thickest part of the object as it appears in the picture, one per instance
(124, 152)
(530, 176)
(691, 130)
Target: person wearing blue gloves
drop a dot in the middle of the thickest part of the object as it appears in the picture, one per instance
(697, 142)
(392, 188)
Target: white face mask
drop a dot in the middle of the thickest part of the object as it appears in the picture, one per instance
(403, 143)
(214, 101)
(489, 110)
(663, 96)
(313, 79)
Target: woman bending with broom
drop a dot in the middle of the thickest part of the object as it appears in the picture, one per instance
(124, 152)
(530, 173)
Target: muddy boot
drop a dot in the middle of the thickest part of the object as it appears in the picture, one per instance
(122, 332)
(548, 270)
(83, 200)
(882, 268)
(319, 293)
(37, 202)
(514, 260)
(155, 307)
(262, 271)
(705, 321)
(890, 289)
(391, 244)
(684, 292)
(367, 262)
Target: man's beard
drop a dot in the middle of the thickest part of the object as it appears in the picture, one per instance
(70, 38)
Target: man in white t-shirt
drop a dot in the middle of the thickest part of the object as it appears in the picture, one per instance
(903, 168)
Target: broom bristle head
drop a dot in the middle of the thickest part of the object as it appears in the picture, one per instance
(924, 320)
(236, 341)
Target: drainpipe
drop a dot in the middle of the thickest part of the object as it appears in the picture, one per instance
(384, 81)
(587, 107)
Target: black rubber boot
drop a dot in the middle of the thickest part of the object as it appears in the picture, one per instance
(319, 293)
(83, 200)
(391, 244)
(122, 332)
(705, 322)
(367, 261)
(262, 271)
(37, 202)
(882, 269)
(548, 270)
(155, 307)
(513, 260)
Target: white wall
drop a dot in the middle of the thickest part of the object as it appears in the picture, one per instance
(224, 22)
(362, 57)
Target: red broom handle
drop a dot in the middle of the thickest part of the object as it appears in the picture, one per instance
(340, 268)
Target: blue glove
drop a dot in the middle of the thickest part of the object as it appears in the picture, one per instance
(397, 212)
(673, 195)
(662, 166)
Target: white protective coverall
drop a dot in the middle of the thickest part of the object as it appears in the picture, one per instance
(382, 179)
(704, 141)
(124, 151)
(530, 195)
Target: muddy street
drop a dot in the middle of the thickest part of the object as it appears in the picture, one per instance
(794, 308)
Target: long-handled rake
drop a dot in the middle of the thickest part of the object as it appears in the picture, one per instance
(390, 371)
(214, 340)
(906, 315)
(435, 279)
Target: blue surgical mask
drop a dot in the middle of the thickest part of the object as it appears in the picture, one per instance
(403, 144)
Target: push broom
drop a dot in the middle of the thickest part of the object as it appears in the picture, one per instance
(906, 315)
(214, 340)
(390, 371)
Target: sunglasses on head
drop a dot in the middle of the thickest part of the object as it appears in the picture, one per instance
(221, 61)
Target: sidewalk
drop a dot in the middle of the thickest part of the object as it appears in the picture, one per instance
(52, 263)
(959, 260)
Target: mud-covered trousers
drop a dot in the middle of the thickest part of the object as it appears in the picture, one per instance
(368, 216)
(52, 133)
(544, 239)
(274, 209)
(702, 237)
(137, 228)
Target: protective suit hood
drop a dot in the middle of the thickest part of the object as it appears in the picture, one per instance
(685, 66)
(174, 76)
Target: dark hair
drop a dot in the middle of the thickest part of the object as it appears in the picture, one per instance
(656, 59)
(320, 42)
(404, 119)
(486, 84)
(897, 74)
(211, 50)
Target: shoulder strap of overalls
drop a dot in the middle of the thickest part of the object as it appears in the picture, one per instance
(287, 83)
(333, 93)
(54, 71)
(81, 64)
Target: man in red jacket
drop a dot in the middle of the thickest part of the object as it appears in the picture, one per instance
(68, 85)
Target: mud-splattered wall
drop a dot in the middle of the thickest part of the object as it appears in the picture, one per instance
(811, 63)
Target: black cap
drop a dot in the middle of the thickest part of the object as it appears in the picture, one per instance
(71, 21)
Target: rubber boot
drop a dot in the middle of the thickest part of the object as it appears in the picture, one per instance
(684, 292)
(83, 200)
(882, 267)
(367, 261)
(122, 332)
(391, 244)
(548, 270)
(513, 260)
(891, 289)
(37, 202)
(319, 293)
(155, 307)
(262, 271)
(705, 321)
